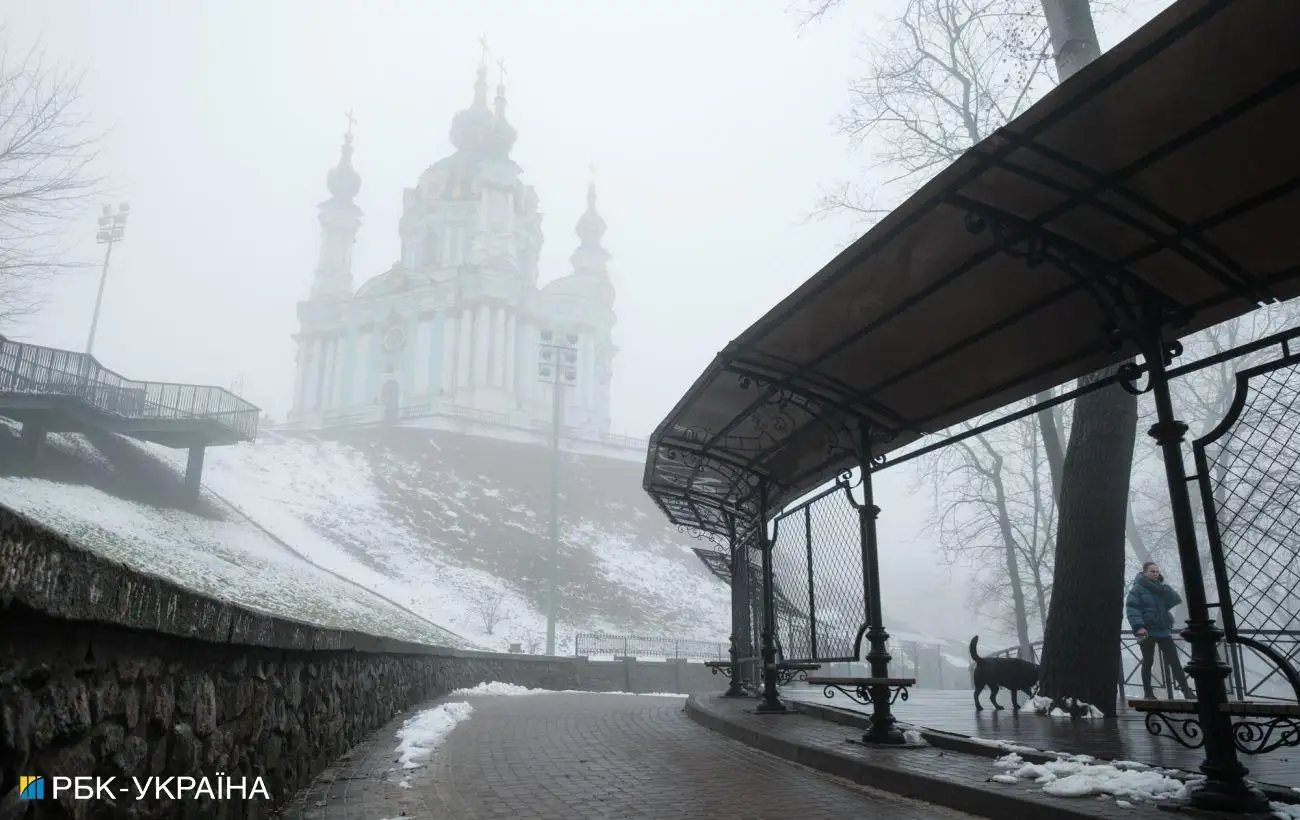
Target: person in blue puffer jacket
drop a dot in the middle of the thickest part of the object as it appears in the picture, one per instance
(1148, 607)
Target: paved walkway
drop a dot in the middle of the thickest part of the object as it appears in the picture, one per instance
(1121, 738)
(572, 757)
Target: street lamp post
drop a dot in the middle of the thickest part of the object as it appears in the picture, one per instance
(112, 227)
(557, 365)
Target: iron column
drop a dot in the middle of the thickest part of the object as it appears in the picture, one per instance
(883, 728)
(112, 228)
(1225, 787)
(771, 703)
(558, 367)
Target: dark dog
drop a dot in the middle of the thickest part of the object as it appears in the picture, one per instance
(995, 673)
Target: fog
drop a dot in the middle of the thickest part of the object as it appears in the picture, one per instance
(709, 127)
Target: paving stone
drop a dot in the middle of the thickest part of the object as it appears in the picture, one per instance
(588, 757)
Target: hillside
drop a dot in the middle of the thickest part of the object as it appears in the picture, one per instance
(413, 533)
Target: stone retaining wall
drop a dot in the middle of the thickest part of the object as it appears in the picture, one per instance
(106, 672)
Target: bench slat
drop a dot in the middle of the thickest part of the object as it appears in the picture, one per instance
(1158, 705)
(1256, 708)
(1245, 708)
(862, 681)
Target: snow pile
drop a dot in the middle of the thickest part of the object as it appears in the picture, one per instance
(912, 737)
(1286, 811)
(421, 734)
(1066, 708)
(511, 689)
(1082, 776)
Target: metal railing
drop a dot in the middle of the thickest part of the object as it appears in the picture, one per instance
(446, 409)
(600, 644)
(1253, 677)
(47, 371)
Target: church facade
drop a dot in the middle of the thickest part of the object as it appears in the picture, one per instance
(454, 335)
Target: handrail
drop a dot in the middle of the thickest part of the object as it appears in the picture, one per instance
(36, 369)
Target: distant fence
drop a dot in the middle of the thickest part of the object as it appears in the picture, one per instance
(600, 644)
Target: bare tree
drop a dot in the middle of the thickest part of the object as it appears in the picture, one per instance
(949, 73)
(952, 73)
(45, 156)
(488, 609)
(993, 509)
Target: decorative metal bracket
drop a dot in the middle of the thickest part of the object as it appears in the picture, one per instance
(1259, 736)
(1185, 731)
(1255, 735)
(1131, 308)
(861, 693)
(786, 675)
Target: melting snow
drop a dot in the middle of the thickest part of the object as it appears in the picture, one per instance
(1082, 776)
(421, 734)
(511, 689)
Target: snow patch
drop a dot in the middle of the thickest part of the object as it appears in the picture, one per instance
(421, 734)
(1079, 776)
(513, 690)
(1065, 708)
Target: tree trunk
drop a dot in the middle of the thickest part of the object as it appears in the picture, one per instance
(1074, 38)
(1080, 656)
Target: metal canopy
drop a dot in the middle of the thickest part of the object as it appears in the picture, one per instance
(1165, 174)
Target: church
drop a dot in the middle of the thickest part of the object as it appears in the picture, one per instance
(457, 334)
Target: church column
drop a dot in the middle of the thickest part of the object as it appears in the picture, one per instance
(499, 347)
(509, 350)
(310, 367)
(464, 346)
(449, 330)
(422, 351)
(298, 371)
(482, 327)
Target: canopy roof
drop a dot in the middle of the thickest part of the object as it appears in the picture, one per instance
(1166, 168)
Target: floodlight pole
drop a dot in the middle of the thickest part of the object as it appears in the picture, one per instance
(112, 228)
(557, 366)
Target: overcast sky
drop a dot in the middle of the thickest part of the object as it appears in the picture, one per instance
(709, 124)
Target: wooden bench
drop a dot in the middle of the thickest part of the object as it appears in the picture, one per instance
(863, 689)
(1266, 726)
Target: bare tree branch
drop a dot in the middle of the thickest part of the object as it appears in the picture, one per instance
(45, 157)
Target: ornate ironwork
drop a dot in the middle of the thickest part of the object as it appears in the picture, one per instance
(1248, 473)
(789, 673)
(1185, 730)
(862, 693)
(818, 579)
(1131, 309)
(1260, 735)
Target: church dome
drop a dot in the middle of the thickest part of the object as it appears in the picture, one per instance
(343, 181)
(472, 128)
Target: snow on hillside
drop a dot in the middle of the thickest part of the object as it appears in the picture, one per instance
(453, 529)
(224, 559)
